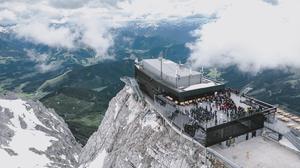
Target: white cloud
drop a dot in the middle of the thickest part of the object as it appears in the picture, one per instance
(96, 30)
(77, 23)
(68, 24)
(46, 34)
(47, 67)
(43, 63)
(71, 4)
(7, 17)
(169, 9)
(254, 35)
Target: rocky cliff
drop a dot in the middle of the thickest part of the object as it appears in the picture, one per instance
(33, 136)
(131, 135)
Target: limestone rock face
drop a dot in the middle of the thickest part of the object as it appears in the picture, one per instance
(34, 136)
(131, 135)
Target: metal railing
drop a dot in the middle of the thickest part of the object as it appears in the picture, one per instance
(134, 85)
(224, 160)
(293, 139)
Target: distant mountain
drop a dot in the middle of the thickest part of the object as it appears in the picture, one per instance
(280, 87)
(81, 96)
(24, 66)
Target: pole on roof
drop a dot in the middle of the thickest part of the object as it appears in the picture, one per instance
(161, 64)
(190, 76)
(176, 77)
(201, 74)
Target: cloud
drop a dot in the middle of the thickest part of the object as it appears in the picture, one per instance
(69, 24)
(91, 23)
(43, 64)
(6, 17)
(254, 35)
(46, 34)
(68, 4)
(168, 9)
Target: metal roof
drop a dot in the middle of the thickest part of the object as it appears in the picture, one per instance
(170, 68)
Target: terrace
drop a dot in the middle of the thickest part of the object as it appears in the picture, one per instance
(210, 111)
(225, 110)
(200, 107)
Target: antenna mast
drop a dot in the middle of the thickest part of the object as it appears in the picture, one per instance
(176, 77)
(201, 74)
(161, 65)
(190, 73)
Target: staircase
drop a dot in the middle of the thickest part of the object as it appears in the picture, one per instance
(293, 139)
(134, 85)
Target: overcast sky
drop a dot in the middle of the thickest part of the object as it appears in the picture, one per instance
(252, 34)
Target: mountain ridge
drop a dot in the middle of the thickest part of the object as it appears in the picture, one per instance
(33, 136)
(132, 135)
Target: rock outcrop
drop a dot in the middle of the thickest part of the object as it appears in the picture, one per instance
(34, 136)
(131, 135)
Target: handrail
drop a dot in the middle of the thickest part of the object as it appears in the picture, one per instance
(134, 85)
(228, 162)
(259, 101)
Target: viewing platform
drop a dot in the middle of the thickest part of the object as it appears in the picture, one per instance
(216, 117)
(200, 107)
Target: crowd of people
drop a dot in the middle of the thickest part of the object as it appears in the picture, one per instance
(214, 109)
(218, 108)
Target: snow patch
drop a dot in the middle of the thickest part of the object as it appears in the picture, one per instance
(76, 157)
(21, 109)
(99, 160)
(23, 161)
(63, 156)
(54, 116)
(117, 109)
(24, 139)
(150, 120)
(134, 110)
(129, 90)
(34, 139)
(131, 117)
